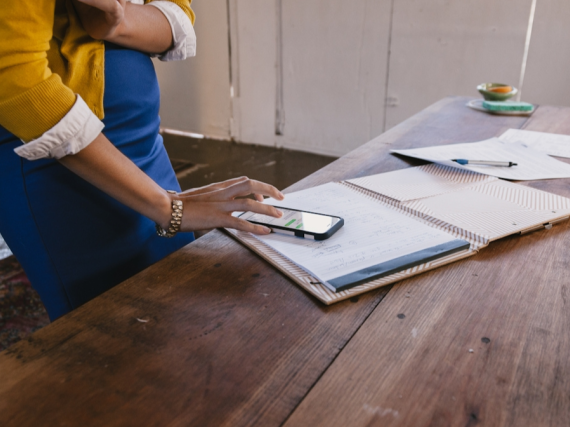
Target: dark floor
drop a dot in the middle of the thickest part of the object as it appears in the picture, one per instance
(197, 162)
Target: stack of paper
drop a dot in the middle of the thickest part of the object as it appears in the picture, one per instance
(549, 143)
(400, 224)
(531, 164)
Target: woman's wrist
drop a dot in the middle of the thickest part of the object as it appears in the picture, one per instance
(104, 166)
(164, 209)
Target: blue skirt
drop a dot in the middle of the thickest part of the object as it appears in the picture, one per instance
(74, 241)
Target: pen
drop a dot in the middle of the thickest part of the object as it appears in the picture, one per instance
(484, 162)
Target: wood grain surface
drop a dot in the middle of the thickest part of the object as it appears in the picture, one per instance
(481, 342)
(214, 336)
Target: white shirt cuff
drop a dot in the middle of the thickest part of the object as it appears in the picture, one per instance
(78, 128)
(183, 35)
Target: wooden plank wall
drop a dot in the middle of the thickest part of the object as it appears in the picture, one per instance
(334, 73)
(326, 76)
(195, 94)
(253, 50)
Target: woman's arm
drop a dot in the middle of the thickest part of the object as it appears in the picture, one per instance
(101, 164)
(33, 101)
(104, 166)
(130, 25)
(32, 98)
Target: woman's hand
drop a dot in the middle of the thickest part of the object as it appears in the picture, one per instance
(212, 206)
(102, 19)
(104, 166)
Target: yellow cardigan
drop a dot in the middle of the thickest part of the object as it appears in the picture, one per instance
(46, 57)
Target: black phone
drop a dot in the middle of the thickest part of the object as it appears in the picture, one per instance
(309, 225)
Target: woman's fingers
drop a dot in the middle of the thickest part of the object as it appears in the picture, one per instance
(245, 188)
(240, 188)
(102, 19)
(200, 215)
(242, 225)
(248, 205)
(250, 186)
(213, 187)
(212, 206)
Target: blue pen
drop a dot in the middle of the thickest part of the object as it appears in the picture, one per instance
(484, 162)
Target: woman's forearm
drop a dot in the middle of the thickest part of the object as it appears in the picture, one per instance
(145, 29)
(137, 27)
(104, 166)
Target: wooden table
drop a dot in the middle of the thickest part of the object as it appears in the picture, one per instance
(214, 336)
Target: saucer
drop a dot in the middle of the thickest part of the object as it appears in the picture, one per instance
(477, 104)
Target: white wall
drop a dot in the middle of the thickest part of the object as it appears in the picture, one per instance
(443, 47)
(195, 94)
(326, 76)
(334, 73)
(547, 76)
(253, 49)
(320, 74)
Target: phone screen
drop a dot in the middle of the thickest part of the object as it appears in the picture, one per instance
(295, 220)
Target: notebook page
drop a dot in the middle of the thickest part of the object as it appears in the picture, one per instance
(372, 233)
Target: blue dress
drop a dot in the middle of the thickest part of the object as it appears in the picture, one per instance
(74, 241)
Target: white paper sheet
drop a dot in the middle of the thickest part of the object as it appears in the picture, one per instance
(419, 182)
(549, 143)
(532, 164)
(372, 233)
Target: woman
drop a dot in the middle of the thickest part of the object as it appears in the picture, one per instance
(81, 198)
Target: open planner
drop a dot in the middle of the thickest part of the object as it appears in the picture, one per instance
(402, 223)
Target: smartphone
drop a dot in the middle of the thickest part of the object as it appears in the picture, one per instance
(308, 225)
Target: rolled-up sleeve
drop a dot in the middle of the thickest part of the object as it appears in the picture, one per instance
(78, 128)
(181, 19)
(33, 100)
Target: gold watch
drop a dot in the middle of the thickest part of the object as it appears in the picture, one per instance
(175, 220)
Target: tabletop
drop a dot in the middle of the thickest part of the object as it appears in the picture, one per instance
(214, 336)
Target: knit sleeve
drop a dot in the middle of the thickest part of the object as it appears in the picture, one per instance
(32, 98)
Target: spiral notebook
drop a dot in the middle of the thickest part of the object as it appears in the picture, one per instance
(400, 224)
